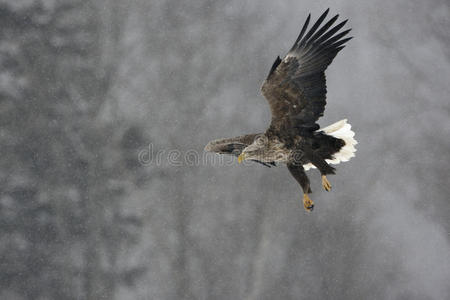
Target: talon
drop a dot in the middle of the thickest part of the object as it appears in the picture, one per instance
(308, 204)
(325, 183)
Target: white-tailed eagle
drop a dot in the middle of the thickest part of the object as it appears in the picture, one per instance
(296, 91)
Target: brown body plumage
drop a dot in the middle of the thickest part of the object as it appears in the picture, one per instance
(296, 91)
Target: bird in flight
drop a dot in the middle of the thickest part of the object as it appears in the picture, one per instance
(296, 91)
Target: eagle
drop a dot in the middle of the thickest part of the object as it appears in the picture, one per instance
(296, 91)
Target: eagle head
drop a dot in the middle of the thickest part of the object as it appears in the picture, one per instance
(256, 150)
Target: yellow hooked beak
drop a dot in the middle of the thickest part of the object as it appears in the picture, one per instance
(241, 157)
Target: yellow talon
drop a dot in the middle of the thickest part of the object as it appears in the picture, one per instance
(325, 183)
(241, 157)
(308, 204)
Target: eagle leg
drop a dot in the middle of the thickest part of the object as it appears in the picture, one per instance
(325, 183)
(299, 174)
(308, 204)
(324, 169)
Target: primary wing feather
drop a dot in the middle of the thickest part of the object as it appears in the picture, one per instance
(296, 86)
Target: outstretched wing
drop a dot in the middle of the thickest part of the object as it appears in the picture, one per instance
(295, 87)
(234, 146)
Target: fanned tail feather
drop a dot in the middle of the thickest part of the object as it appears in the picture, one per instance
(341, 130)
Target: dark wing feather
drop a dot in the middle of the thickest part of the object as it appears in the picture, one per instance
(296, 87)
(234, 146)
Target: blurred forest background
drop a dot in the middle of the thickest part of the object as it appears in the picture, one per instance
(86, 85)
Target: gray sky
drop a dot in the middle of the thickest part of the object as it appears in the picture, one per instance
(383, 231)
(189, 72)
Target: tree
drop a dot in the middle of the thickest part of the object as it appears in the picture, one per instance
(65, 170)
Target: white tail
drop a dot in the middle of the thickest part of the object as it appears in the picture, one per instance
(341, 130)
